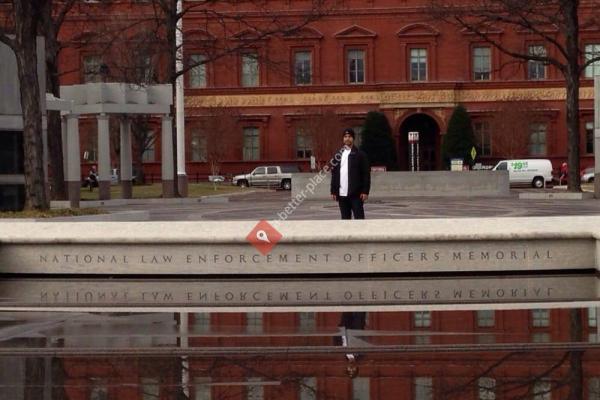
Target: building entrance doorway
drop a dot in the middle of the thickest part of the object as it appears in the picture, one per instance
(429, 142)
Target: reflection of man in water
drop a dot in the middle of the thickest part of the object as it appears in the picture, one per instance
(350, 178)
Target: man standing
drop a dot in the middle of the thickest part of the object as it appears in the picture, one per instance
(350, 178)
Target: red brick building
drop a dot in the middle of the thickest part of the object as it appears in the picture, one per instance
(414, 355)
(367, 55)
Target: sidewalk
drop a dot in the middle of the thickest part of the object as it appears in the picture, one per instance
(262, 204)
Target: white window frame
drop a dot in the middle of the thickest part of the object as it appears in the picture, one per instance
(92, 65)
(356, 66)
(536, 70)
(540, 318)
(419, 59)
(482, 63)
(149, 154)
(487, 388)
(198, 76)
(251, 149)
(304, 148)
(254, 322)
(250, 70)
(486, 318)
(422, 319)
(423, 388)
(538, 139)
(303, 68)
(198, 147)
(361, 388)
(592, 50)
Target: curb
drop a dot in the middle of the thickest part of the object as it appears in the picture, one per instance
(133, 202)
(557, 196)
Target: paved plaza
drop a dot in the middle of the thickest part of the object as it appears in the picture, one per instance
(266, 204)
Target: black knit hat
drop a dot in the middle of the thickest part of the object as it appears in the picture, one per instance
(349, 131)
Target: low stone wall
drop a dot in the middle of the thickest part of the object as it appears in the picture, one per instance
(220, 265)
(412, 184)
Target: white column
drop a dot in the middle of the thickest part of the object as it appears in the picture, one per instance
(126, 159)
(167, 156)
(45, 152)
(596, 136)
(63, 136)
(103, 157)
(73, 168)
(180, 106)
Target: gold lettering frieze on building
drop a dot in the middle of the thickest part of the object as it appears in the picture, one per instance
(384, 98)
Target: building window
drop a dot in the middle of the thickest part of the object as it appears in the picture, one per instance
(251, 144)
(482, 63)
(146, 74)
(202, 322)
(592, 317)
(542, 390)
(537, 139)
(92, 68)
(254, 322)
(540, 318)
(486, 318)
(357, 135)
(198, 71)
(198, 146)
(99, 391)
(150, 389)
(303, 144)
(250, 70)
(255, 391)
(487, 388)
(422, 319)
(536, 69)
(418, 64)
(308, 389)
(360, 388)
(149, 154)
(589, 137)
(592, 51)
(540, 337)
(594, 388)
(424, 388)
(303, 68)
(202, 388)
(483, 137)
(356, 66)
(307, 321)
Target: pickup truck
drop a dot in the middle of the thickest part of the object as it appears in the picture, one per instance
(274, 176)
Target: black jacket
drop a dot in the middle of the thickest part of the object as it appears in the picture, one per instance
(359, 173)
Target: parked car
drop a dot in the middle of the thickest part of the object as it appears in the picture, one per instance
(277, 176)
(587, 175)
(535, 172)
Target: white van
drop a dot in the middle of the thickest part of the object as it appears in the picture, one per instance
(532, 172)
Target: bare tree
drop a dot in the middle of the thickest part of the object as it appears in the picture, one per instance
(322, 130)
(227, 18)
(53, 17)
(510, 128)
(556, 23)
(219, 136)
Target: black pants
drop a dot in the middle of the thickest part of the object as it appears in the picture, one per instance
(351, 205)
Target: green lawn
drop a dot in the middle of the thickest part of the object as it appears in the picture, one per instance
(155, 190)
(63, 212)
